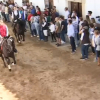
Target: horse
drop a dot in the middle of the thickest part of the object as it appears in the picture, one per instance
(7, 51)
(19, 30)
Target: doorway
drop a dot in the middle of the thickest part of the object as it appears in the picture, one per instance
(77, 6)
(51, 3)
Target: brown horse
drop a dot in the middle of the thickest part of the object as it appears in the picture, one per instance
(7, 51)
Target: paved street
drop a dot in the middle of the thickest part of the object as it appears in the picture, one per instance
(44, 72)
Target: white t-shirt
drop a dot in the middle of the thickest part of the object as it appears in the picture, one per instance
(52, 28)
(67, 14)
(25, 7)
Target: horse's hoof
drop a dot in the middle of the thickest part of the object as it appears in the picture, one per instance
(13, 64)
(19, 41)
(10, 70)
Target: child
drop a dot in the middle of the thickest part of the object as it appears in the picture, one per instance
(45, 29)
(97, 42)
(52, 30)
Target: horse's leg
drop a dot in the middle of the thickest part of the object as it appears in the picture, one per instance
(19, 38)
(13, 57)
(23, 37)
(2, 57)
(8, 62)
(16, 37)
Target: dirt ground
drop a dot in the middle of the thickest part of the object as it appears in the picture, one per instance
(44, 72)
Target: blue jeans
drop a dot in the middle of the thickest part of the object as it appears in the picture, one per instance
(72, 42)
(96, 53)
(63, 36)
(7, 17)
(76, 39)
(37, 28)
(66, 25)
(84, 50)
(33, 32)
(41, 35)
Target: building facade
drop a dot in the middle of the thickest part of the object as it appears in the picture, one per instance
(81, 6)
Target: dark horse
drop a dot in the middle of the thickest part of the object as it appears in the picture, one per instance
(19, 30)
(7, 51)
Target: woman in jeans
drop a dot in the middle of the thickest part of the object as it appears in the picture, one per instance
(36, 22)
(85, 43)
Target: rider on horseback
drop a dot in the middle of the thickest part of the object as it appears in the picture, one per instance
(4, 33)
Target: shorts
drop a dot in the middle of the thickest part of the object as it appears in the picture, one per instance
(58, 35)
(98, 53)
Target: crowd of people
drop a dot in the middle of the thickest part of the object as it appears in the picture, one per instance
(50, 23)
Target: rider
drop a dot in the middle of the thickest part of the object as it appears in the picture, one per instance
(4, 33)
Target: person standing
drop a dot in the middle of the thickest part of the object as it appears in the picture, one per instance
(33, 11)
(97, 42)
(3, 12)
(52, 31)
(15, 14)
(77, 19)
(75, 24)
(71, 35)
(91, 31)
(90, 14)
(67, 13)
(29, 20)
(63, 28)
(7, 13)
(58, 31)
(85, 41)
(36, 22)
(45, 29)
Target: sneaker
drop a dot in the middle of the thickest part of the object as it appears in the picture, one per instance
(31, 36)
(95, 60)
(37, 36)
(86, 58)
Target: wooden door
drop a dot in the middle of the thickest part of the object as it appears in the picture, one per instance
(80, 9)
(76, 6)
(51, 3)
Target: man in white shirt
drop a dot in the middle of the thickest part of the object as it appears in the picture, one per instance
(71, 35)
(66, 13)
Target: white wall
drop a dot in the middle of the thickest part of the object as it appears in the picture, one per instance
(19, 2)
(39, 3)
(94, 6)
